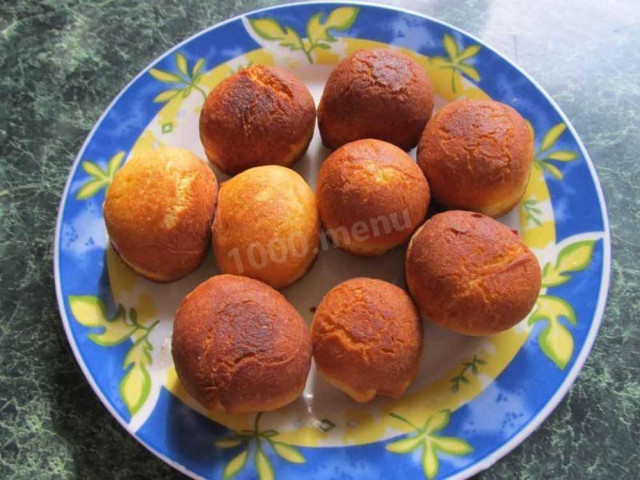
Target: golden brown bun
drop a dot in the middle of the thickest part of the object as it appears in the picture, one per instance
(477, 156)
(375, 93)
(471, 274)
(238, 345)
(158, 211)
(367, 339)
(266, 226)
(260, 116)
(371, 196)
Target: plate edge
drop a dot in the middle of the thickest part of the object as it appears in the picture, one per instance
(571, 376)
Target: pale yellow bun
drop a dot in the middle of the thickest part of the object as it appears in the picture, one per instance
(471, 274)
(262, 115)
(158, 211)
(238, 345)
(477, 156)
(266, 226)
(371, 196)
(367, 339)
(375, 93)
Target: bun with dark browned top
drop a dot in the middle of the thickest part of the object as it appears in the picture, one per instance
(238, 345)
(262, 115)
(367, 338)
(477, 156)
(158, 212)
(371, 196)
(471, 274)
(375, 93)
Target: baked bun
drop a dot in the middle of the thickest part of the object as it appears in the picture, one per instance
(262, 115)
(375, 93)
(158, 211)
(367, 339)
(371, 196)
(477, 156)
(471, 274)
(266, 226)
(238, 345)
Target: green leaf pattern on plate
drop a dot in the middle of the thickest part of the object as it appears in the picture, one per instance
(235, 465)
(457, 61)
(257, 441)
(572, 258)
(555, 339)
(543, 157)
(427, 438)
(287, 452)
(470, 367)
(99, 178)
(182, 82)
(263, 464)
(533, 211)
(318, 30)
(91, 312)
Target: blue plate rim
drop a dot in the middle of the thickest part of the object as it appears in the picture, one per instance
(577, 365)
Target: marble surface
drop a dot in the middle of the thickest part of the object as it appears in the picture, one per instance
(62, 62)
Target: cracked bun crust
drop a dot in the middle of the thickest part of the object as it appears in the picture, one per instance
(471, 274)
(371, 196)
(262, 115)
(477, 156)
(375, 93)
(238, 345)
(158, 211)
(267, 226)
(367, 339)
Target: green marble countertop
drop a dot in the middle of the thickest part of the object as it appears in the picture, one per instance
(62, 62)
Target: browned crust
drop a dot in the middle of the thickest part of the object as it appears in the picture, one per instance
(238, 345)
(374, 183)
(262, 115)
(375, 93)
(158, 212)
(367, 338)
(471, 274)
(268, 209)
(477, 156)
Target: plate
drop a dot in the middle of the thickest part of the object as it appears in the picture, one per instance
(474, 400)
